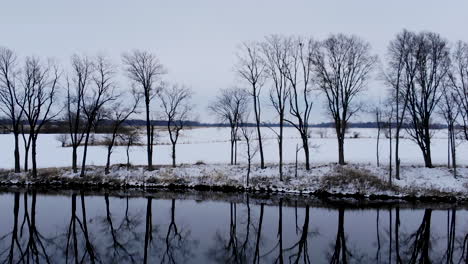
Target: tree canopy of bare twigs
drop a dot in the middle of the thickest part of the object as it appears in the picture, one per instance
(177, 107)
(298, 71)
(145, 70)
(251, 69)
(399, 76)
(8, 91)
(275, 52)
(40, 83)
(97, 98)
(229, 107)
(432, 63)
(341, 66)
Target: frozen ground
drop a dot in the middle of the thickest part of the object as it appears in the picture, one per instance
(211, 146)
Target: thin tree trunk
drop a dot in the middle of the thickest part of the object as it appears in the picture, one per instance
(85, 152)
(149, 135)
(109, 152)
(397, 153)
(259, 134)
(33, 157)
(341, 159)
(378, 139)
(305, 146)
(16, 152)
(74, 158)
(173, 154)
(280, 149)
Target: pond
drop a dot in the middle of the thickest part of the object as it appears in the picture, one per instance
(206, 227)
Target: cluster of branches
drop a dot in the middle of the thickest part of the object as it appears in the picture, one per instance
(30, 93)
(427, 80)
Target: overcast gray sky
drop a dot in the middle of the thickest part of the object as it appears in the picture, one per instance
(197, 40)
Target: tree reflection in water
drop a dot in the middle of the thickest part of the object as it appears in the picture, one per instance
(100, 229)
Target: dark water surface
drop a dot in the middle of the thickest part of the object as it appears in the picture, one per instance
(167, 227)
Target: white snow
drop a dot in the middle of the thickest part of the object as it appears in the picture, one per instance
(211, 146)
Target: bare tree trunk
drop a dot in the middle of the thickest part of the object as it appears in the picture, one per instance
(259, 134)
(85, 152)
(16, 152)
(33, 157)
(377, 114)
(280, 149)
(74, 158)
(109, 151)
(232, 152)
(149, 149)
(128, 155)
(305, 146)
(341, 160)
(173, 155)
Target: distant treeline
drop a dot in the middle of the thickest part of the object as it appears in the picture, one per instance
(56, 126)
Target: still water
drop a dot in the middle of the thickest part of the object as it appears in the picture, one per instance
(204, 227)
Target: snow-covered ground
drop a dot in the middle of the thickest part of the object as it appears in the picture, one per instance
(211, 146)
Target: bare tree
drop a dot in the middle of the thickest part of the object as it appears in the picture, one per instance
(400, 74)
(432, 61)
(298, 72)
(8, 104)
(251, 68)
(93, 103)
(145, 70)
(229, 106)
(449, 111)
(77, 87)
(177, 106)
(378, 120)
(131, 138)
(459, 81)
(39, 83)
(275, 52)
(342, 66)
(251, 150)
(118, 114)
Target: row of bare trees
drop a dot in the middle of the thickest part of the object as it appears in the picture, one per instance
(292, 67)
(30, 94)
(427, 80)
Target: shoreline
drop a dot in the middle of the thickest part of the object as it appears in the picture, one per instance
(355, 181)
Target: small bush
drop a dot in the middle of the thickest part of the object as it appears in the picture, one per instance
(200, 162)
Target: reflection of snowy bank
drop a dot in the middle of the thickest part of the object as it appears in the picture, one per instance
(359, 179)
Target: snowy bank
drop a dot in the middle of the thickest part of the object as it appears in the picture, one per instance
(358, 180)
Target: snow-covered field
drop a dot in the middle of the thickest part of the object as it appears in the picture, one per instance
(211, 146)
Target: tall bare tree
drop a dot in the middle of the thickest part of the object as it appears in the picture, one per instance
(229, 106)
(39, 83)
(177, 107)
(96, 99)
(118, 113)
(399, 75)
(459, 81)
(8, 104)
(432, 62)
(77, 87)
(145, 69)
(298, 71)
(342, 66)
(449, 109)
(275, 52)
(251, 68)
